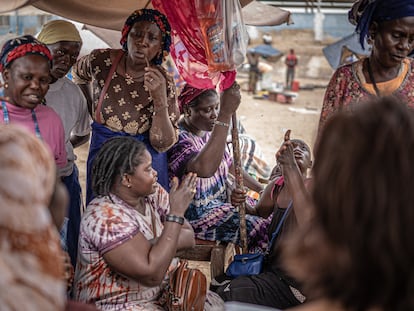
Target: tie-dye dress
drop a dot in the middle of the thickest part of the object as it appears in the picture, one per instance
(211, 215)
(105, 225)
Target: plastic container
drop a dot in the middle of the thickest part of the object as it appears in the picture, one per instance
(295, 86)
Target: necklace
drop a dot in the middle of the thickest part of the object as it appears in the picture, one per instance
(371, 77)
(6, 119)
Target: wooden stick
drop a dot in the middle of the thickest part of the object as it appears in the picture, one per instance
(238, 172)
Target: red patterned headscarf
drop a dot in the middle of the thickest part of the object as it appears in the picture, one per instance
(22, 46)
(188, 95)
(153, 16)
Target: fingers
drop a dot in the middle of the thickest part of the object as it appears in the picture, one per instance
(174, 184)
(287, 135)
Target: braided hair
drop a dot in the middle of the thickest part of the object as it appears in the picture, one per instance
(117, 156)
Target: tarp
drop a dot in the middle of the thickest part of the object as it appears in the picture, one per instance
(265, 50)
(346, 50)
(111, 14)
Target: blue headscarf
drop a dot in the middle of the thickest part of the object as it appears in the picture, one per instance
(364, 12)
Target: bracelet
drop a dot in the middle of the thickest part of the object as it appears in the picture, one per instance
(217, 122)
(174, 218)
(159, 109)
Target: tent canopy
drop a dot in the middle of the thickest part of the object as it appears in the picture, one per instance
(111, 14)
(345, 50)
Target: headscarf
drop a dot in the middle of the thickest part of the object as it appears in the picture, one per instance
(30, 267)
(22, 46)
(59, 30)
(364, 12)
(153, 16)
(188, 95)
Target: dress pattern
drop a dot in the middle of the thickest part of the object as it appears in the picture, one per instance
(210, 213)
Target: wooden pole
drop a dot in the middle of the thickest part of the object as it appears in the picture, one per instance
(239, 181)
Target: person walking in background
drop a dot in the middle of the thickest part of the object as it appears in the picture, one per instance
(64, 42)
(291, 61)
(129, 93)
(389, 27)
(254, 73)
(357, 252)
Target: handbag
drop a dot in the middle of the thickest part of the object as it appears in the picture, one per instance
(252, 264)
(187, 288)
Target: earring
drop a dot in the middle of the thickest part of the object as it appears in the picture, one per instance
(129, 186)
(6, 85)
(186, 114)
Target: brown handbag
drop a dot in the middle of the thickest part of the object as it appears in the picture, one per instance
(187, 288)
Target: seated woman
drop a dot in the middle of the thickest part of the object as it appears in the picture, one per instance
(201, 148)
(283, 197)
(25, 68)
(357, 252)
(131, 231)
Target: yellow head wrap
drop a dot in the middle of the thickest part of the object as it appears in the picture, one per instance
(59, 30)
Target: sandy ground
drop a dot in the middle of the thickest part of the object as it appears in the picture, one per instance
(267, 120)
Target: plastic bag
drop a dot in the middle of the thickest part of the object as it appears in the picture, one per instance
(224, 33)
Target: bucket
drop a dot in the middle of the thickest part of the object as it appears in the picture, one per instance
(295, 86)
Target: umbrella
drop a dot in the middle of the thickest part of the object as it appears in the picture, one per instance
(345, 50)
(266, 51)
(112, 14)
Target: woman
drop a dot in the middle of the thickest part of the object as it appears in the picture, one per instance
(30, 266)
(25, 67)
(357, 253)
(201, 148)
(389, 27)
(284, 198)
(137, 99)
(131, 231)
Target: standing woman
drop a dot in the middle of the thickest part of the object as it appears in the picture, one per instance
(25, 66)
(129, 93)
(389, 27)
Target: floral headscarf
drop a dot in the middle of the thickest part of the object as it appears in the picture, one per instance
(22, 46)
(151, 16)
(30, 267)
(364, 12)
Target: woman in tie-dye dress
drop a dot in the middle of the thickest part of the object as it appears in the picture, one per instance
(202, 149)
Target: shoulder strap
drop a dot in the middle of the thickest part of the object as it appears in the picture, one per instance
(279, 226)
(106, 85)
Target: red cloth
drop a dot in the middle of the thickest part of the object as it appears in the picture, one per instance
(188, 47)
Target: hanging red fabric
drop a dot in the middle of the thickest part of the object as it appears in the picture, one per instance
(188, 48)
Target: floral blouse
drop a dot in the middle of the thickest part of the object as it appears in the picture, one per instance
(347, 88)
(127, 106)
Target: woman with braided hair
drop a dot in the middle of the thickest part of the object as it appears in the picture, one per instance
(388, 26)
(131, 231)
(129, 93)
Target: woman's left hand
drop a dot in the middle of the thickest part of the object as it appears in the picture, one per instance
(238, 196)
(156, 84)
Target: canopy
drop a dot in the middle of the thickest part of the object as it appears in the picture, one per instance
(344, 51)
(266, 51)
(111, 14)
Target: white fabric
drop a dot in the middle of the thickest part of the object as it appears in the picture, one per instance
(68, 101)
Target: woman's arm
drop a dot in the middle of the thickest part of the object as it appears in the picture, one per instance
(141, 260)
(163, 134)
(186, 238)
(207, 161)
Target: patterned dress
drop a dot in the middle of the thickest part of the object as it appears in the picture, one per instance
(127, 109)
(347, 87)
(210, 214)
(105, 225)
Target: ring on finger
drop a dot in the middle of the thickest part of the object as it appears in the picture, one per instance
(151, 80)
(193, 191)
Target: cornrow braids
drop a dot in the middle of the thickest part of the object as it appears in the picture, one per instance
(118, 156)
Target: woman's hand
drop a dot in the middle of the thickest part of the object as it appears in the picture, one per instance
(182, 194)
(285, 156)
(230, 100)
(156, 84)
(238, 196)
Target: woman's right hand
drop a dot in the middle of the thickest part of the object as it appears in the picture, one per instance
(230, 100)
(181, 194)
